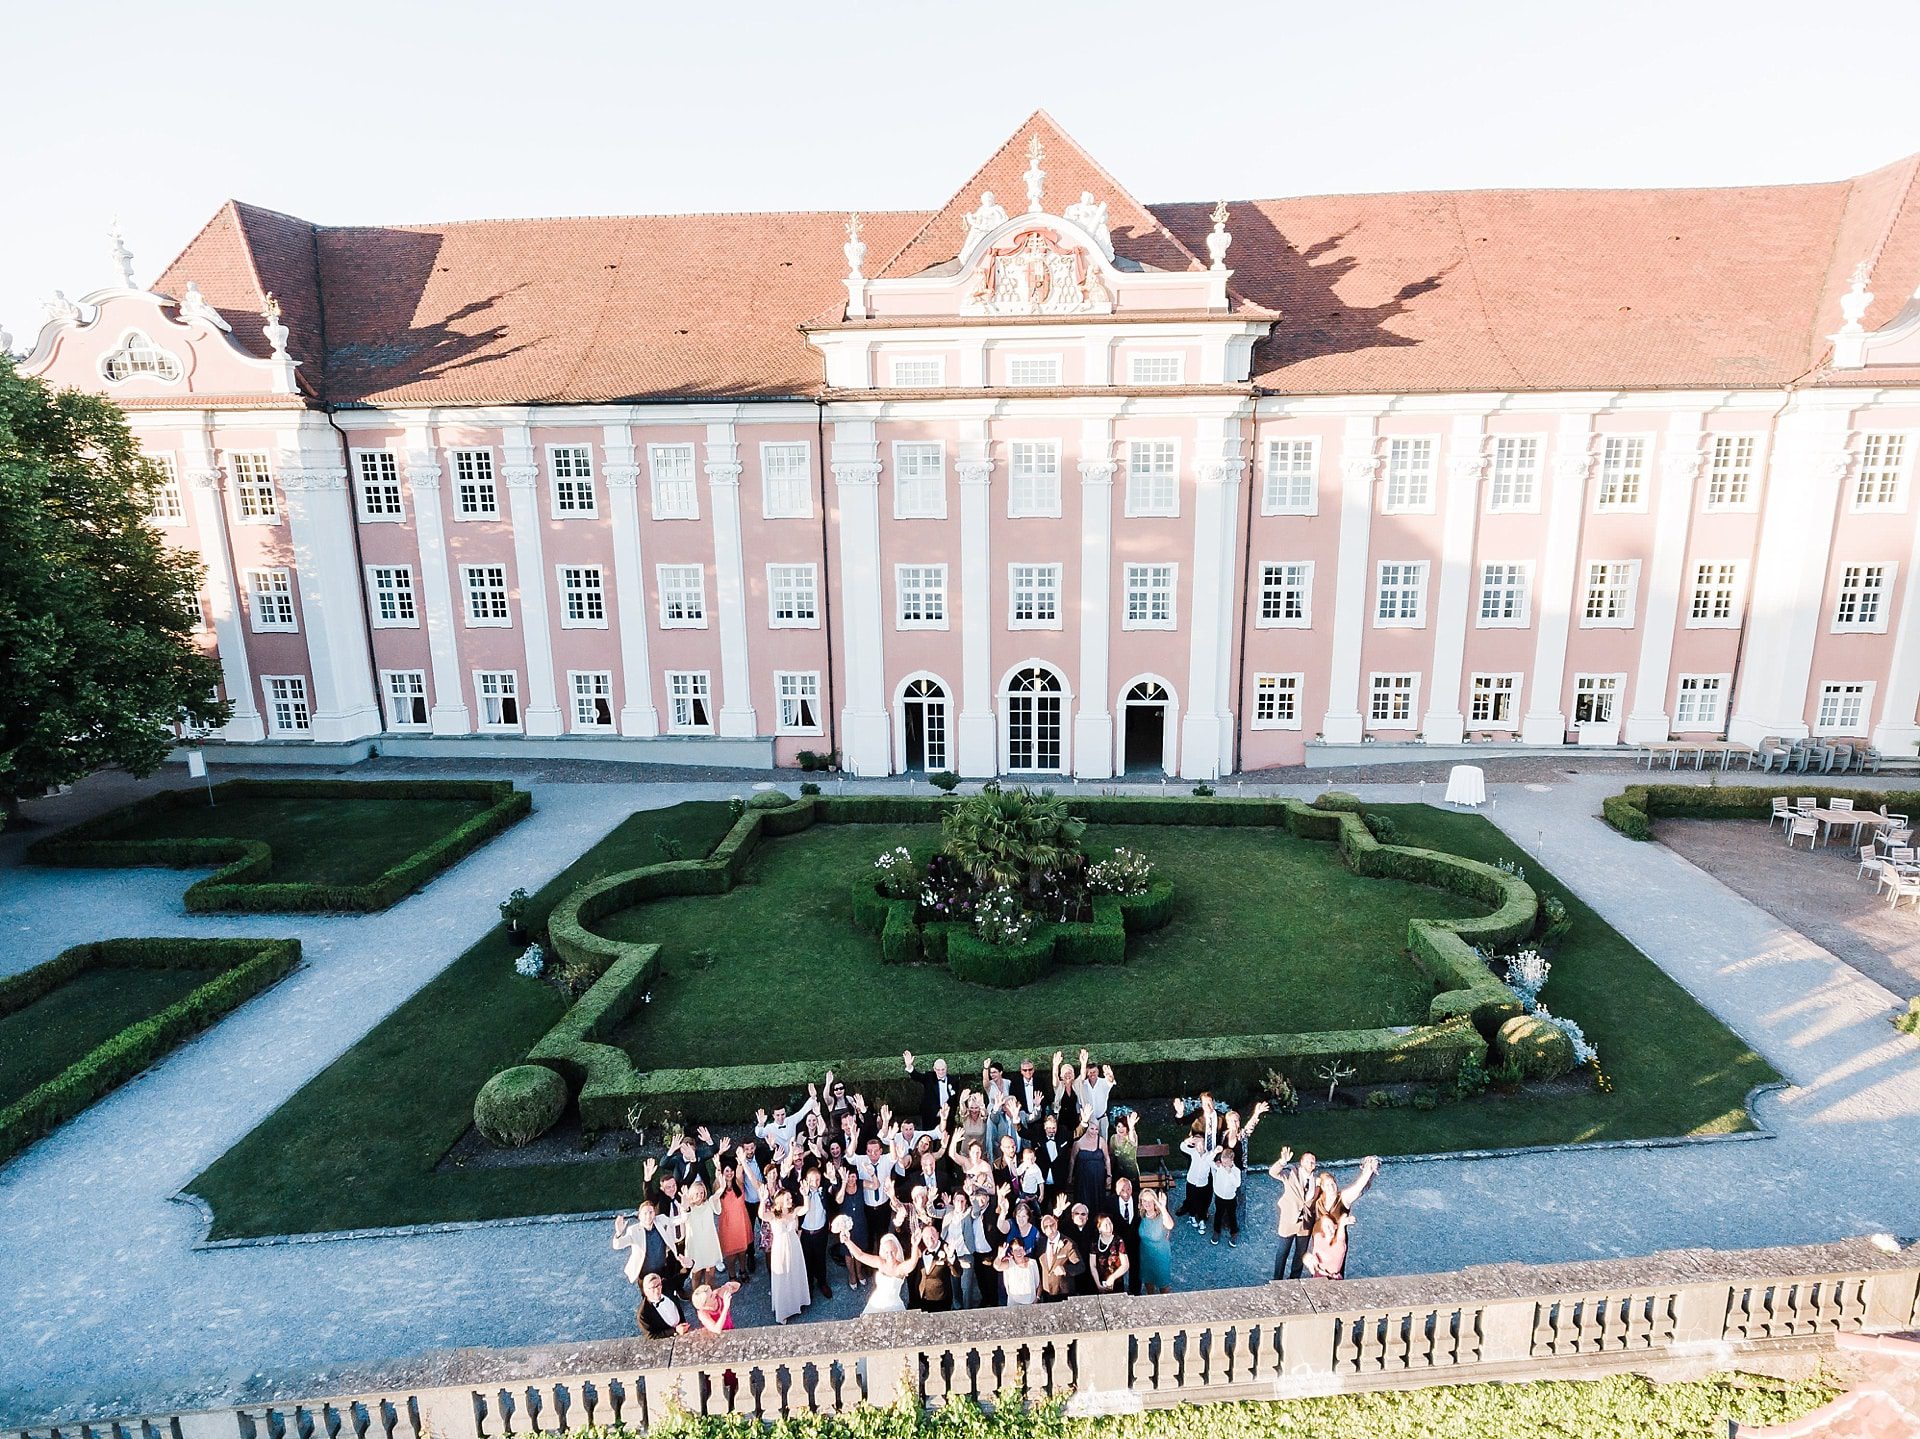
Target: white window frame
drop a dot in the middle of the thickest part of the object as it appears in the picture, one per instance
(1421, 570)
(406, 591)
(592, 587)
(473, 455)
(468, 590)
(769, 510)
(1144, 501)
(1870, 463)
(1637, 505)
(298, 693)
(1717, 719)
(1732, 587)
(1629, 588)
(776, 579)
(1303, 588)
(137, 357)
(1523, 586)
(508, 691)
(661, 574)
(416, 689)
(1718, 473)
(586, 686)
(391, 483)
(1021, 507)
(1171, 589)
(1881, 593)
(656, 481)
(1529, 473)
(271, 587)
(702, 692)
(1283, 686)
(1177, 360)
(255, 501)
(1840, 691)
(1491, 685)
(1274, 503)
(1586, 684)
(898, 363)
(167, 506)
(1040, 570)
(781, 678)
(588, 479)
(1056, 379)
(901, 620)
(939, 481)
(1374, 689)
(1424, 473)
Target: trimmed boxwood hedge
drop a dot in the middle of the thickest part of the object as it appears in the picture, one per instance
(1634, 809)
(239, 883)
(238, 969)
(1470, 1007)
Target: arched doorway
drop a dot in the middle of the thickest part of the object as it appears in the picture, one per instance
(1033, 707)
(1146, 728)
(924, 726)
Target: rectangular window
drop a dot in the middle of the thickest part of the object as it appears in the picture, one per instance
(1730, 473)
(376, 486)
(1409, 475)
(922, 594)
(476, 495)
(573, 494)
(1504, 601)
(1716, 595)
(1392, 700)
(1843, 708)
(1286, 594)
(1697, 702)
(166, 506)
(499, 694)
(1033, 369)
(1276, 701)
(683, 597)
(390, 591)
(1880, 481)
(918, 372)
(799, 696)
(786, 481)
(919, 480)
(1291, 467)
(1593, 698)
(583, 597)
(1035, 486)
(253, 490)
(288, 712)
(1149, 590)
(689, 708)
(1515, 481)
(1403, 593)
(1155, 369)
(1863, 598)
(1036, 597)
(592, 692)
(485, 587)
(1493, 701)
(1610, 587)
(406, 692)
(270, 600)
(675, 495)
(792, 602)
(1622, 467)
(1153, 477)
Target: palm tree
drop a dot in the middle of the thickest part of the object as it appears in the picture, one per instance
(1011, 838)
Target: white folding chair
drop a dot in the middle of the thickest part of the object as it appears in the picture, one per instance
(1803, 824)
(1781, 813)
(1842, 806)
(1904, 887)
(1870, 863)
(1807, 805)
(1889, 867)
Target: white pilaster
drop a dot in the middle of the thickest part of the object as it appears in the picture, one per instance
(978, 747)
(1467, 460)
(1093, 718)
(1896, 733)
(320, 525)
(1359, 466)
(1807, 467)
(638, 717)
(1681, 459)
(207, 483)
(522, 475)
(866, 745)
(1206, 727)
(729, 582)
(449, 714)
(1546, 722)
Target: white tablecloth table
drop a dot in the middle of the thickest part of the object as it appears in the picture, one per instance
(1467, 784)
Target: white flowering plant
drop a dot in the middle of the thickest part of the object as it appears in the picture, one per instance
(531, 962)
(1126, 872)
(1001, 919)
(899, 876)
(1583, 1050)
(1527, 975)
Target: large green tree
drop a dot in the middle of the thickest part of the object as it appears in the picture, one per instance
(97, 658)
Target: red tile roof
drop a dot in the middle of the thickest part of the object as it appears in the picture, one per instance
(1449, 291)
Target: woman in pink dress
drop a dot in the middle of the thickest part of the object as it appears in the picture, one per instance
(736, 1225)
(714, 1307)
(1333, 1217)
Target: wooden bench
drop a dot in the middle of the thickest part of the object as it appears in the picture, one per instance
(1153, 1168)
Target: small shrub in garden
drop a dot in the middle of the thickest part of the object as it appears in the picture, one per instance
(1471, 1079)
(531, 962)
(1381, 827)
(808, 787)
(1127, 872)
(1583, 1052)
(1910, 1021)
(513, 909)
(1002, 919)
(736, 806)
(1340, 800)
(770, 799)
(1426, 1101)
(1555, 921)
(1508, 1074)
(1203, 790)
(520, 1104)
(1383, 1099)
(1280, 1092)
(899, 876)
(1512, 867)
(946, 781)
(669, 846)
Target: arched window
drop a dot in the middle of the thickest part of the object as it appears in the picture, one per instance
(138, 355)
(1035, 705)
(1147, 692)
(923, 725)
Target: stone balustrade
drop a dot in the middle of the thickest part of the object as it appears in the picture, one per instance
(1671, 1315)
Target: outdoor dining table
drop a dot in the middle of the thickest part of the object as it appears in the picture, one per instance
(1832, 819)
(1673, 749)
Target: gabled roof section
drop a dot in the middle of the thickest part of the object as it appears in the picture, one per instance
(243, 254)
(1137, 234)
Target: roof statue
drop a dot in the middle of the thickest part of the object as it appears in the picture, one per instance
(855, 249)
(1035, 177)
(194, 306)
(274, 330)
(61, 309)
(990, 216)
(1219, 238)
(122, 256)
(1853, 304)
(1092, 218)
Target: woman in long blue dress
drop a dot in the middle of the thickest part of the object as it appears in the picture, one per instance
(1156, 1244)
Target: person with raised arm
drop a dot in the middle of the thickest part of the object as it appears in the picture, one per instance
(1293, 1212)
(936, 1089)
(787, 1263)
(890, 1263)
(1333, 1218)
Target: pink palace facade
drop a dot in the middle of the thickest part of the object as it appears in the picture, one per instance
(1047, 481)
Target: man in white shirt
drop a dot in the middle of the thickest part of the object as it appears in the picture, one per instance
(1092, 1090)
(813, 1231)
(780, 1130)
(877, 1169)
(659, 1313)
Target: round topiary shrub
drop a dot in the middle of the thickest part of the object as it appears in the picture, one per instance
(1543, 1050)
(1339, 800)
(520, 1104)
(1381, 828)
(770, 799)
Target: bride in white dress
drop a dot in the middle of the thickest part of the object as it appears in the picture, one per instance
(890, 1267)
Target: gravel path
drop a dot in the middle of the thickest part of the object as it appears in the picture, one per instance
(111, 1308)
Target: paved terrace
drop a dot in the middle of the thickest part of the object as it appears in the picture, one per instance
(107, 1303)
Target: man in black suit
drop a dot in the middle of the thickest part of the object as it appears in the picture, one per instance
(936, 1089)
(1034, 1096)
(661, 1316)
(1051, 1151)
(1124, 1208)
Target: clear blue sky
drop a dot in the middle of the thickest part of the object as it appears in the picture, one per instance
(354, 112)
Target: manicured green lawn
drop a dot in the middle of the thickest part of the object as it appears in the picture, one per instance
(316, 839)
(65, 1025)
(1270, 935)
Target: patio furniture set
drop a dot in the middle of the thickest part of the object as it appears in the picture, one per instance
(1889, 859)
